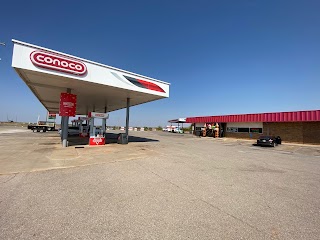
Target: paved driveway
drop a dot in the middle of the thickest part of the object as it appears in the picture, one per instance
(179, 187)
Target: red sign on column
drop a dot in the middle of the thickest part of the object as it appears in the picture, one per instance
(68, 104)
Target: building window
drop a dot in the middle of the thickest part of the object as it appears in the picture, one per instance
(232, 129)
(256, 130)
(243, 130)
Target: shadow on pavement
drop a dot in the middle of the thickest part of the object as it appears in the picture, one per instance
(256, 145)
(140, 139)
(111, 138)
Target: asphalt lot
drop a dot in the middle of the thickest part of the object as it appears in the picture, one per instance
(160, 186)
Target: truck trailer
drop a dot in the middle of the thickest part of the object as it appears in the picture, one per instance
(42, 126)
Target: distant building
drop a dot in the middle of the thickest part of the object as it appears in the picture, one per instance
(299, 126)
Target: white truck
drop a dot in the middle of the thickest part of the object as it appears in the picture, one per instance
(174, 129)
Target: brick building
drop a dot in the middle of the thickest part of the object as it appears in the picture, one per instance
(299, 126)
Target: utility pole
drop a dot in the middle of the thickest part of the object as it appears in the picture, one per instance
(3, 44)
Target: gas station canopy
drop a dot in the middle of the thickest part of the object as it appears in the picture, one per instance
(98, 87)
(179, 120)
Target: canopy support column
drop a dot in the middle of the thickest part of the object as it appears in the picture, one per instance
(127, 119)
(104, 121)
(65, 127)
(92, 128)
(61, 127)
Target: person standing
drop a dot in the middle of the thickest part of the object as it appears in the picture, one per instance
(213, 129)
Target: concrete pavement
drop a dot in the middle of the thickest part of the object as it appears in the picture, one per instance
(182, 187)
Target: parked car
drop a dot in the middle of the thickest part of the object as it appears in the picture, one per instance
(268, 141)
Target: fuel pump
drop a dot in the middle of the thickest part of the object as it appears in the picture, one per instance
(84, 128)
(97, 136)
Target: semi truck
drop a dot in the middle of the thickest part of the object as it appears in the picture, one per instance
(42, 126)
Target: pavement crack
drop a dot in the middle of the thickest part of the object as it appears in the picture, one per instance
(202, 200)
(14, 175)
(302, 171)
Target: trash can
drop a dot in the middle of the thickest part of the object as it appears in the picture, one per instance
(122, 138)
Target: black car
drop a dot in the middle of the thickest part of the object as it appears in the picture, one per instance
(268, 141)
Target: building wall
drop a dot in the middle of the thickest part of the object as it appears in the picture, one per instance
(300, 132)
(288, 131)
(296, 132)
(245, 125)
(311, 132)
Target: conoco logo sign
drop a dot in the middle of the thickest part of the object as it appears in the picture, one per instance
(97, 140)
(58, 63)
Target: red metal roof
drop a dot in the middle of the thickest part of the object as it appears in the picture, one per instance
(299, 116)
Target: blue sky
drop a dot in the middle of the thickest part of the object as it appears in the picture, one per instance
(221, 57)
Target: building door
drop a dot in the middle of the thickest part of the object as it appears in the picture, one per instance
(223, 128)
